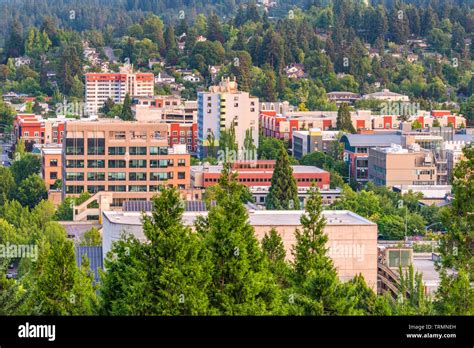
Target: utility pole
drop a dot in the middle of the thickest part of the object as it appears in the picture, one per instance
(400, 205)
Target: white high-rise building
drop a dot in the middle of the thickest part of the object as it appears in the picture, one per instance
(101, 86)
(221, 106)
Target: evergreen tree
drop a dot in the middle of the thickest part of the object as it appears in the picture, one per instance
(316, 286)
(180, 276)
(127, 114)
(455, 295)
(167, 276)
(69, 66)
(344, 120)
(108, 106)
(153, 30)
(214, 29)
(283, 193)
(241, 69)
(58, 286)
(273, 248)
(170, 39)
(14, 45)
(241, 281)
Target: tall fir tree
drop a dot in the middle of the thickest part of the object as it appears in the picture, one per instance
(242, 283)
(455, 295)
(273, 248)
(127, 114)
(167, 276)
(283, 193)
(57, 286)
(344, 121)
(316, 286)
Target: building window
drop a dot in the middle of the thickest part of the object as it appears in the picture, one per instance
(117, 150)
(181, 175)
(117, 188)
(74, 189)
(159, 176)
(158, 163)
(53, 163)
(36, 134)
(158, 150)
(75, 164)
(137, 150)
(53, 175)
(95, 188)
(119, 176)
(156, 188)
(141, 176)
(116, 163)
(175, 133)
(137, 164)
(74, 176)
(96, 146)
(100, 176)
(136, 188)
(95, 164)
(75, 146)
(181, 162)
(26, 134)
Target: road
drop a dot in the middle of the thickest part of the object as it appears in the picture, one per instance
(4, 155)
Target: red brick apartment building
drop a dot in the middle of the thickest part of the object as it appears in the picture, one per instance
(259, 174)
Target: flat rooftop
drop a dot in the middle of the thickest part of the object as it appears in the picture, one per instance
(256, 218)
(217, 169)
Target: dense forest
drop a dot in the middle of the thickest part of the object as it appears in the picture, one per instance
(419, 48)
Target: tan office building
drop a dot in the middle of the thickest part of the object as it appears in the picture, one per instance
(395, 165)
(131, 159)
(352, 239)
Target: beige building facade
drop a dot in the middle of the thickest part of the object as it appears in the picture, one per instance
(126, 158)
(395, 165)
(352, 239)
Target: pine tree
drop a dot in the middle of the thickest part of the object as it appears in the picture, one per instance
(170, 39)
(127, 114)
(167, 276)
(455, 295)
(179, 277)
(317, 289)
(58, 286)
(310, 252)
(241, 281)
(344, 121)
(273, 248)
(214, 29)
(14, 45)
(283, 193)
(107, 107)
